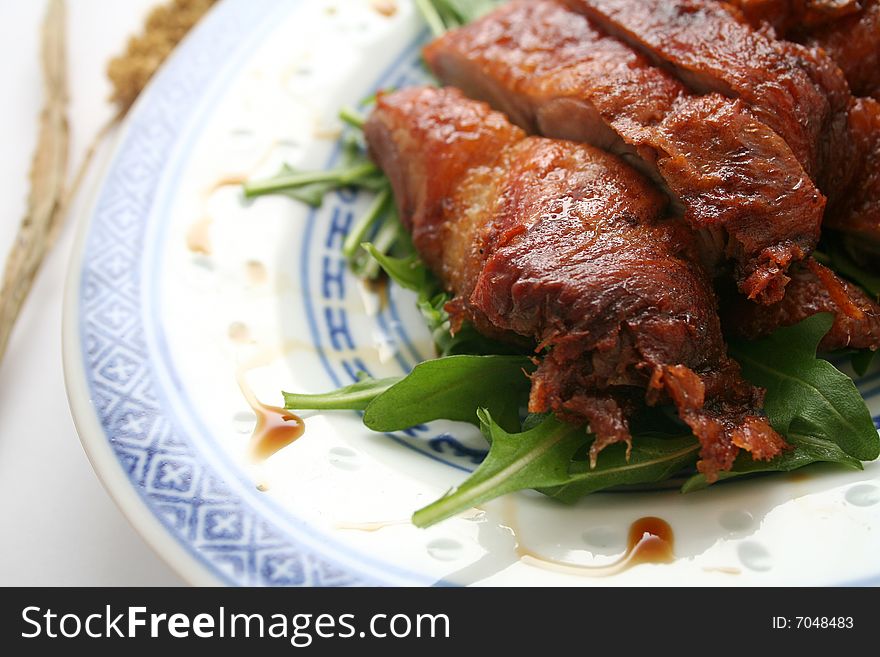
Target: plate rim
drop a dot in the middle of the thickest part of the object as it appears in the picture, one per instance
(190, 561)
(95, 442)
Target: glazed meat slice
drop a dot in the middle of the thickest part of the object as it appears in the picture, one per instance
(847, 30)
(854, 43)
(813, 289)
(858, 215)
(739, 184)
(799, 93)
(567, 245)
(791, 15)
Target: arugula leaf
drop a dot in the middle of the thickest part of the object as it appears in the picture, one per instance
(310, 187)
(651, 460)
(807, 450)
(807, 396)
(366, 223)
(388, 233)
(843, 263)
(354, 397)
(862, 361)
(467, 340)
(352, 117)
(311, 193)
(444, 15)
(408, 272)
(539, 457)
(361, 174)
(453, 388)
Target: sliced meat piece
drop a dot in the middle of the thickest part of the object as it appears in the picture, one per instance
(798, 92)
(854, 43)
(847, 30)
(738, 182)
(813, 289)
(858, 215)
(788, 15)
(567, 245)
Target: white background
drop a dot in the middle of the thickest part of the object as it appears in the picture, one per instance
(58, 526)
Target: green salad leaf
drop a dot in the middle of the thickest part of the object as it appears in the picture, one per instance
(536, 458)
(408, 272)
(444, 15)
(453, 388)
(450, 388)
(842, 262)
(543, 457)
(862, 361)
(311, 186)
(808, 396)
(806, 451)
(652, 459)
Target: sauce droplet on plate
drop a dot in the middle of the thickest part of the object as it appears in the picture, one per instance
(239, 332)
(198, 237)
(255, 272)
(226, 181)
(386, 8)
(276, 427)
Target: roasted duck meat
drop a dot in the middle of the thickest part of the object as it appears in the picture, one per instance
(847, 30)
(554, 73)
(858, 215)
(568, 246)
(794, 15)
(854, 43)
(813, 289)
(798, 92)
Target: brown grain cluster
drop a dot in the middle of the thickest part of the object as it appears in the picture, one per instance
(165, 27)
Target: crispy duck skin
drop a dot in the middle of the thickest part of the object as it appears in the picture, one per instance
(813, 289)
(555, 74)
(568, 246)
(798, 92)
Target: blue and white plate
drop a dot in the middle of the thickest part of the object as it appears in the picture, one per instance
(182, 298)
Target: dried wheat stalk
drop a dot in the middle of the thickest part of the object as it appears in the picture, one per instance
(48, 203)
(47, 177)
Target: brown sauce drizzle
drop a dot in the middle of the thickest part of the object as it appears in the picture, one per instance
(650, 540)
(276, 427)
(198, 237)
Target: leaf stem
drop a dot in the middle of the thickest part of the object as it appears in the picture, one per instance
(432, 17)
(361, 229)
(355, 397)
(352, 117)
(342, 176)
